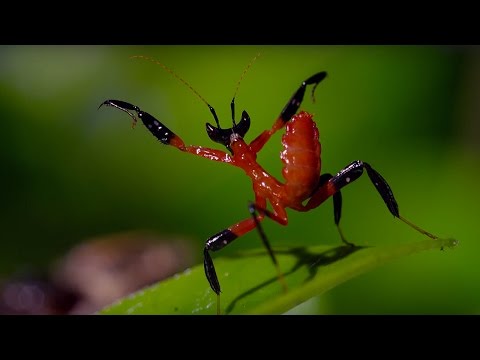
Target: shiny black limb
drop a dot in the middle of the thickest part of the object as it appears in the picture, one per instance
(337, 205)
(383, 189)
(337, 198)
(159, 130)
(253, 208)
(294, 103)
(214, 243)
(122, 105)
(232, 107)
(253, 211)
(353, 172)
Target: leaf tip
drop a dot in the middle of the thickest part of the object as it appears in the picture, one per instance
(449, 242)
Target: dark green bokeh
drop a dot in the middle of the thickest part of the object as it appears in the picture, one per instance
(70, 171)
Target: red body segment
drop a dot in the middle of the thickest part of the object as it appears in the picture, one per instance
(301, 157)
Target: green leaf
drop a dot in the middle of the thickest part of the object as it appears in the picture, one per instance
(250, 283)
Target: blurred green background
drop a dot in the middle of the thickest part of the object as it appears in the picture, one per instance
(70, 171)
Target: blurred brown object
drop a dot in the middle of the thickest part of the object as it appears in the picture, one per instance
(97, 272)
(34, 294)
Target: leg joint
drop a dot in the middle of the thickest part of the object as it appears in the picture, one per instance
(220, 240)
(350, 173)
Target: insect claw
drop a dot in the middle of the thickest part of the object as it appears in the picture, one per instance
(103, 103)
(124, 106)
